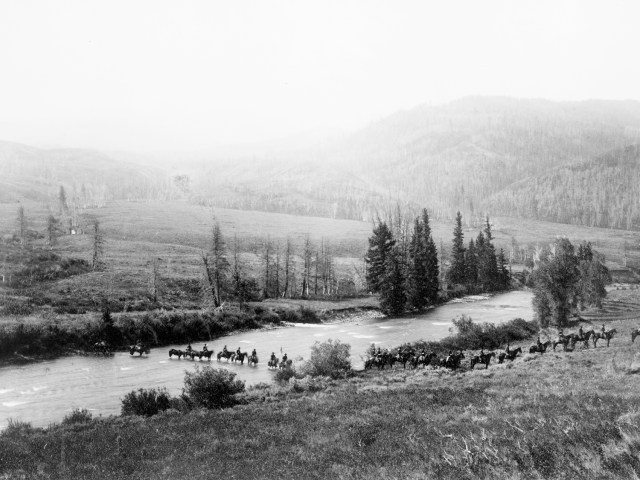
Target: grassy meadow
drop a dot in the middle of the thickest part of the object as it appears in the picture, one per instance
(558, 415)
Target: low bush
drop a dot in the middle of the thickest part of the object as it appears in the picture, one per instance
(17, 307)
(285, 374)
(329, 359)
(145, 402)
(212, 388)
(77, 416)
(308, 316)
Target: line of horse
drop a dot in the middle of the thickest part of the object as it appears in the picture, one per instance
(223, 355)
(453, 360)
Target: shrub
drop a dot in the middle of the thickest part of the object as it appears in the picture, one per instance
(329, 359)
(212, 388)
(77, 416)
(16, 428)
(145, 402)
(308, 316)
(17, 307)
(286, 373)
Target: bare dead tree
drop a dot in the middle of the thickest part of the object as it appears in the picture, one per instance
(216, 265)
(266, 260)
(288, 254)
(307, 258)
(22, 225)
(98, 246)
(155, 280)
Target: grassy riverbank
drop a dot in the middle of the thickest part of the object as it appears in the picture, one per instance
(557, 415)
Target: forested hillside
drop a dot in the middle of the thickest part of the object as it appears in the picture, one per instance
(450, 157)
(600, 192)
(478, 155)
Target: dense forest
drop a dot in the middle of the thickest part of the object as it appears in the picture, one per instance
(600, 192)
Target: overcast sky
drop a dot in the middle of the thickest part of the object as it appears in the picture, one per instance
(153, 75)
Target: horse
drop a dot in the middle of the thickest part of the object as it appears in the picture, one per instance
(205, 353)
(139, 348)
(272, 363)
(178, 353)
(425, 360)
(539, 347)
(253, 360)
(285, 364)
(566, 341)
(608, 335)
(484, 359)
(102, 348)
(634, 333)
(403, 357)
(510, 355)
(227, 355)
(239, 356)
(453, 361)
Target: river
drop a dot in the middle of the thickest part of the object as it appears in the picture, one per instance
(44, 392)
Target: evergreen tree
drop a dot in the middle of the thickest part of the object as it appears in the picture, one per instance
(417, 286)
(457, 272)
(431, 261)
(488, 275)
(471, 265)
(52, 230)
(392, 287)
(503, 271)
(380, 244)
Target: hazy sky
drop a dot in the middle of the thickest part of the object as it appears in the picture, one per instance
(195, 74)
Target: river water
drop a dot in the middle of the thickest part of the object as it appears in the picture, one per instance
(44, 392)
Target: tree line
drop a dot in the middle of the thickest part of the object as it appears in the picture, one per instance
(405, 268)
(284, 271)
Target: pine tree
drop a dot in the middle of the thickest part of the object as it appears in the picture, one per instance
(380, 244)
(52, 230)
(392, 287)
(431, 261)
(457, 272)
(503, 271)
(471, 264)
(417, 286)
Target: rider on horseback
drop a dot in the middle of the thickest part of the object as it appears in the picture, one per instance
(189, 347)
(254, 354)
(205, 349)
(225, 351)
(273, 357)
(603, 329)
(580, 333)
(284, 358)
(238, 352)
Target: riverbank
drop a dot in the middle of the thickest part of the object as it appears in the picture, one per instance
(557, 415)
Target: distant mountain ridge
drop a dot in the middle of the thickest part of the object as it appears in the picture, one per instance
(37, 174)
(450, 157)
(479, 155)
